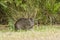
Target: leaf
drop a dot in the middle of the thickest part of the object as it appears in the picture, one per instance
(18, 2)
(56, 7)
(3, 5)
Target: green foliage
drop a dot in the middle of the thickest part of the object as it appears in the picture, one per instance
(42, 10)
(11, 25)
(56, 7)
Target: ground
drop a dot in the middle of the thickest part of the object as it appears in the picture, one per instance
(45, 33)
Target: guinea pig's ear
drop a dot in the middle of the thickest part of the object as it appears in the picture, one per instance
(31, 19)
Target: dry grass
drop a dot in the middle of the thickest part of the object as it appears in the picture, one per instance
(46, 34)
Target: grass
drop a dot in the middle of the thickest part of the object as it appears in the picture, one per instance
(44, 32)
